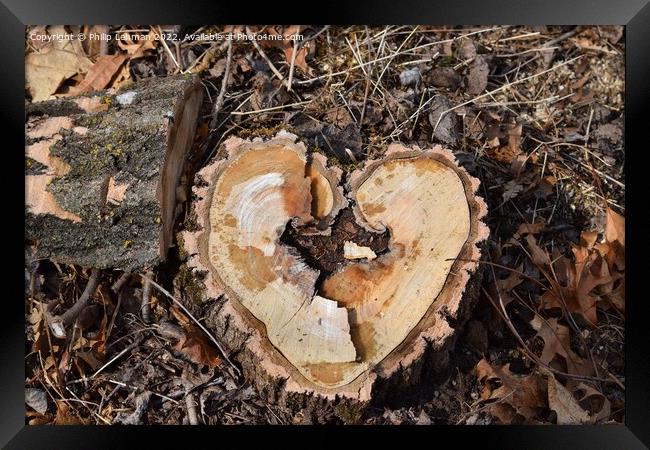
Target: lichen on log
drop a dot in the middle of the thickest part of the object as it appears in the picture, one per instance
(102, 172)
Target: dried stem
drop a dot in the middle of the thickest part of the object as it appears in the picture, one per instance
(275, 71)
(499, 89)
(58, 323)
(121, 281)
(145, 308)
(293, 63)
(224, 86)
(198, 323)
(190, 403)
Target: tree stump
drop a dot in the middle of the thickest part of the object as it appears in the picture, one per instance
(304, 336)
(102, 172)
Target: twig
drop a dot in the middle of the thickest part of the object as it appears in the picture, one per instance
(484, 407)
(199, 324)
(505, 86)
(591, 116)
(561, 37)
(111, 324)
(293, 63)
(313, 36)
(520, 36)
(145, 308)
(164, 44)
(122, 384)
(84, 404)
(394, 55)
(502, 312)
(121, 281)
(205, 57)
(266, 58)
(71, 314)
(383, 58)
(58, 323)
(190, 403)
(126, 349)
(274, 108)
(368, 75)
(224, 85)
(51, 348)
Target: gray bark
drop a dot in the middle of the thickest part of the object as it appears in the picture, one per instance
(140, 141)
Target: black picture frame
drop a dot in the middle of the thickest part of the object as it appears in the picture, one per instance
(634, 14)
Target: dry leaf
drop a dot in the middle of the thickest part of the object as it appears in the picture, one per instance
(286, 45)
(565, 406)
(592, 273)
(444, 123)
(615, 227)
(136, 48)
(513, 280)
(90, 358)
(38, 37)
(531, 228)
(521, 395)
(511, 189)
(194, 344)
(197, 347)
(509, 152)
(538, 255)
(506, 285)
(477, 76)
(101, 73)
(93, 46)
(39, 419)
(588, 44)
(596, 403)
(557, 341)
(65, 415)
(613, 33)
(518, 164)
(46, 69)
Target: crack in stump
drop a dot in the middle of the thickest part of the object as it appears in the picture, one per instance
(325, 253)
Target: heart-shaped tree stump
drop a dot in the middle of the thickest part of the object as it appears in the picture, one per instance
(349, 333)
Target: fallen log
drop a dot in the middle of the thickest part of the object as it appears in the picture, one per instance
(306, 336)
(102, 172)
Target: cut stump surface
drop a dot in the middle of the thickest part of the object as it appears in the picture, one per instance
(332, 335)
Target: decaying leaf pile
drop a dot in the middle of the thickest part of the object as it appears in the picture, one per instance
(536, 113)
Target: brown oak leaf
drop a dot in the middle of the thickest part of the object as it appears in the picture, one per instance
(515, 395)
(557, 341)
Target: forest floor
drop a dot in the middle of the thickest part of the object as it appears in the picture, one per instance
(536, 113)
